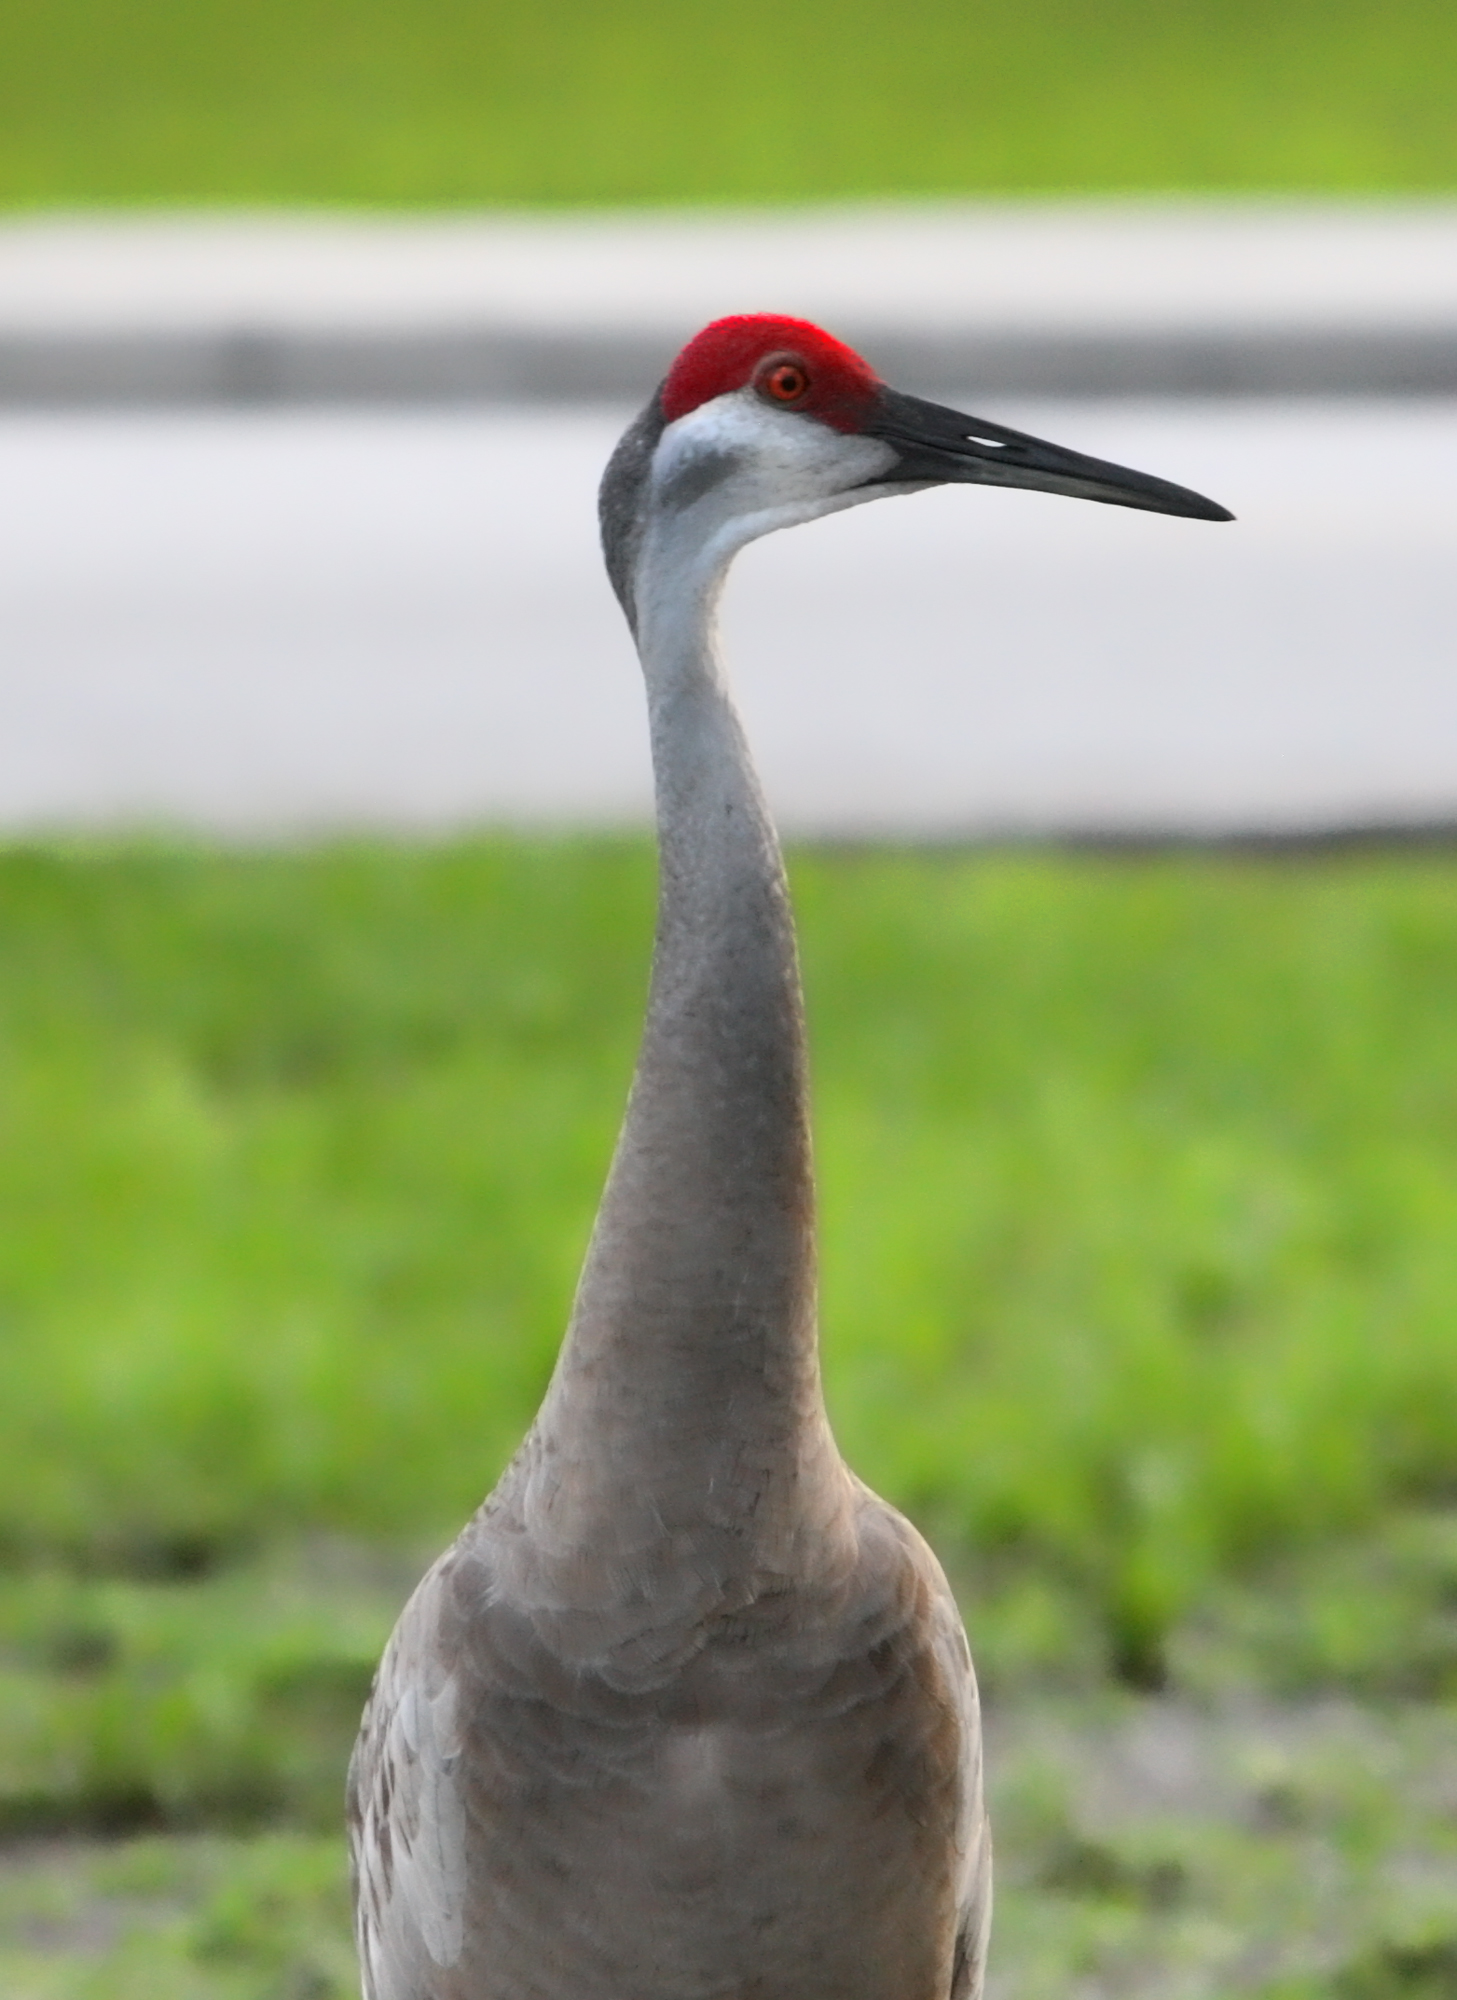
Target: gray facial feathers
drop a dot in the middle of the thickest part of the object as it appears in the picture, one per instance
(690, 479)
(620, 500)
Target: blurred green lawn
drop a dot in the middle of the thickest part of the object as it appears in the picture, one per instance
(1317, 1865)
(651, 100)
(1139, 1183)
(1140, 1258)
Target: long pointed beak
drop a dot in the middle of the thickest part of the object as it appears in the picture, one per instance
(940, 445)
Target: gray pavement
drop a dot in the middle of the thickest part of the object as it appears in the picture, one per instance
(269, 622)
(1145, 297)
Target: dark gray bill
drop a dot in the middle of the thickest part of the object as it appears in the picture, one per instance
(939, 444)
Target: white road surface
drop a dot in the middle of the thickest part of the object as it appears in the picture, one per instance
(1128, 264)
(267, 623)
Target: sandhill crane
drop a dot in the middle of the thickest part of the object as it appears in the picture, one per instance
(687, 1712)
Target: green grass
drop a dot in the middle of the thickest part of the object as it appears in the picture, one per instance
(1278, 1855)
(202, 1918)
(1140, 1265)
(444, 101)
(231, 1701)
(1139, 1185)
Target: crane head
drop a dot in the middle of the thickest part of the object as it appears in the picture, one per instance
(763, 422)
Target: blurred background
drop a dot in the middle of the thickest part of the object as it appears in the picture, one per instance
(1122, 847)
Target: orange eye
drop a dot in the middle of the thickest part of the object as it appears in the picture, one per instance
(785, 381)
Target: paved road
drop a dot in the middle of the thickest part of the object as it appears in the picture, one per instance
(269, 622)
(1125, 265)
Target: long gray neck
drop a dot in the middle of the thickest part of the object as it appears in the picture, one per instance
(687, 1398)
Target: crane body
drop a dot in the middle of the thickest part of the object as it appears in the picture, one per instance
(687, 1712)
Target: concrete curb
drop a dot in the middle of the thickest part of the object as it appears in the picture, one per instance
(1142, 299)
(262, 365)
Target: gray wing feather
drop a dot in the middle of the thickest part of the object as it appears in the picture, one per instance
(407, 1819)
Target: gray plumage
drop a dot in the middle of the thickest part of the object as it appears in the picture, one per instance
(687, 1712)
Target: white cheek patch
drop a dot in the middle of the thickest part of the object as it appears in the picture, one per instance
(760, 459)
(730, 471)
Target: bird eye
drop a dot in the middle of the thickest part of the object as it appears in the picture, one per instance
(784, 381)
